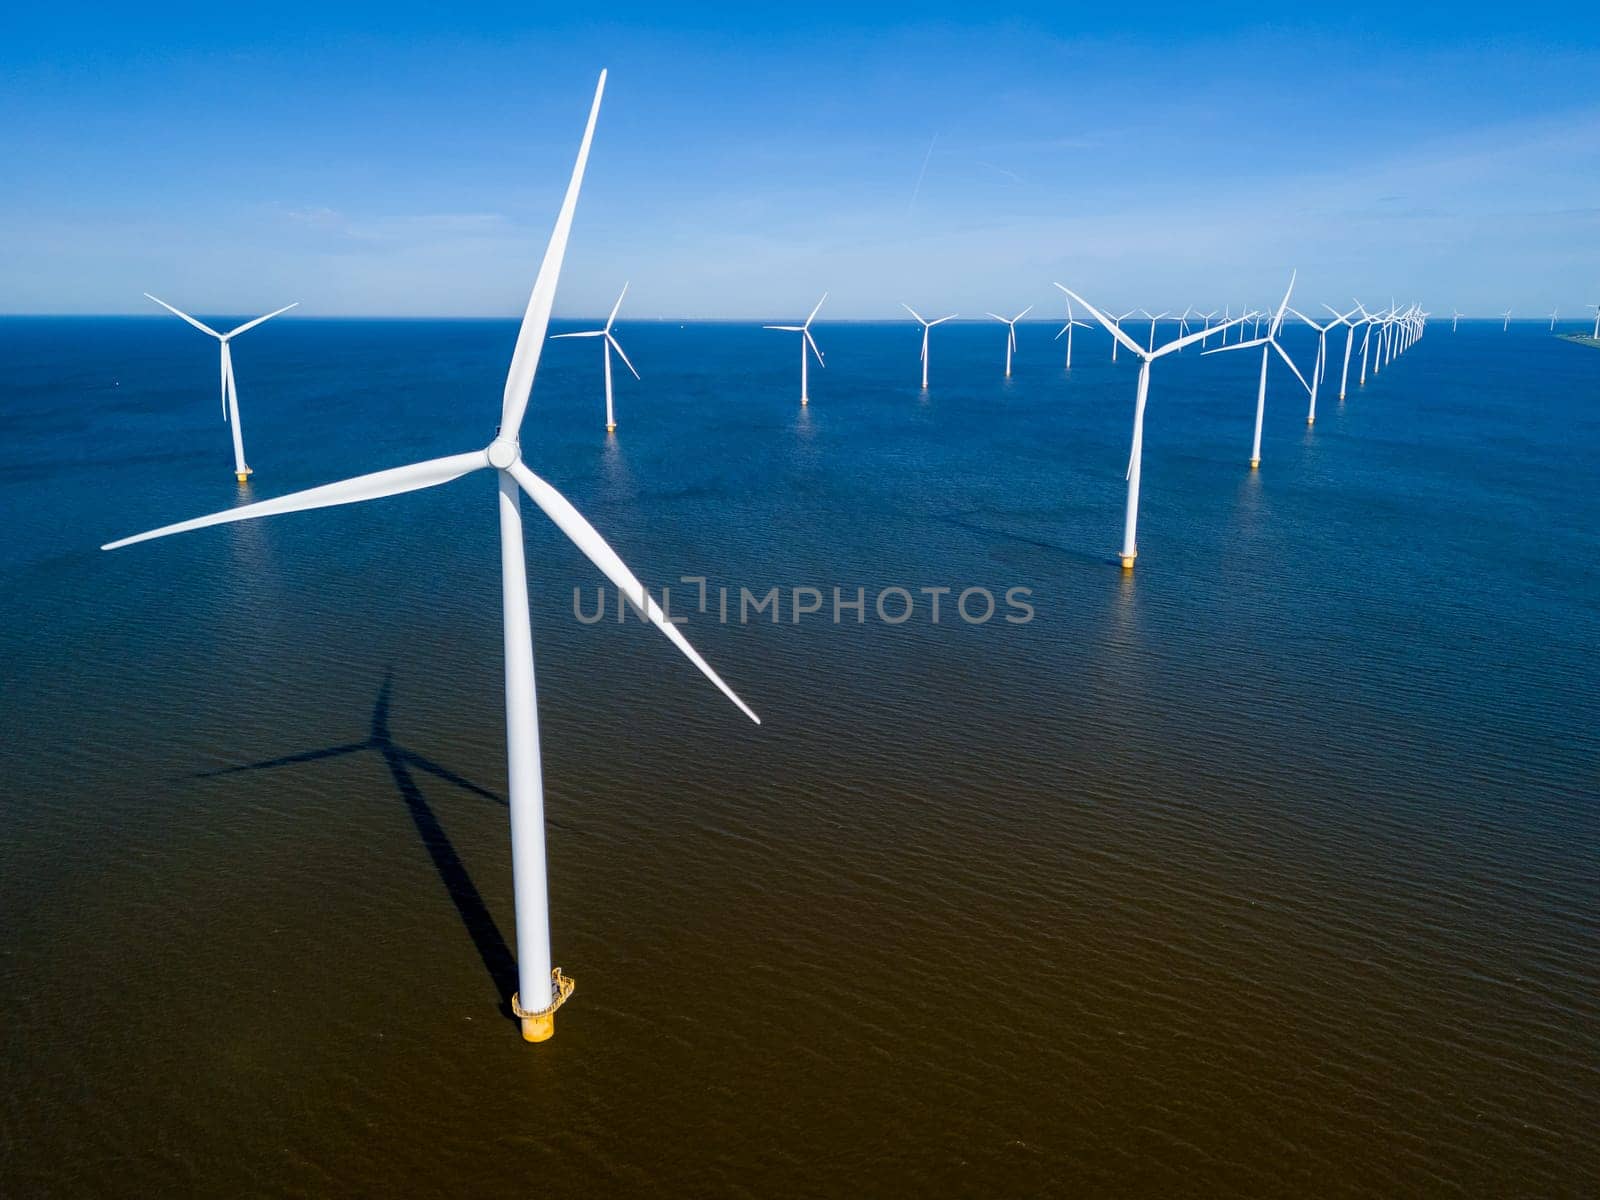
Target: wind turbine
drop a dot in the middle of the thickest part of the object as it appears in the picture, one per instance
(1117, 321)
(805, 340)
(1154, 317)
(1130, 525)
(1321, 365)
(542, 988)
(926, 325)
(1208, 330)
(1267, 344)
(230, 392)
(1072, 323)
(1455, 319)
(1011, 333)
(1596, 334)
(1553, 313)
(608, 345)
(1349, 341)
(1506, 324)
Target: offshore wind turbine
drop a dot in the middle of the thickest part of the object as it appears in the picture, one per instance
(609, 344)
(1553, 313)
(1117, 321)
(1455, 319)
(1154, 317)
(1506, 324)
(1267, 344)
(1321, 365)
(230, 391)
(1596, 334)
(1130, 524)
(1072, 323)
(805, 340)
(926, 325)
(1349, 341)
(1208, 330)
(542, 988)
(1011, 333)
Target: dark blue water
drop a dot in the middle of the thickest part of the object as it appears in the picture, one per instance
(1270, 870)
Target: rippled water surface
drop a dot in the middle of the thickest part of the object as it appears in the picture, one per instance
(1269, 871)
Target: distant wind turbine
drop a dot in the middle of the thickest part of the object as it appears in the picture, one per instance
(1072, 323)
(1267, 344)
(1011, 333)
(805, 340)
(926, 325)
(1321, 364)
(230, 391)
(1455, 319)
(1506, 324)
(1130, 525)
(542, 988)
(1349, 341)
(1553, 313)
(1596, 334)
(1154, 317)
(609, 344)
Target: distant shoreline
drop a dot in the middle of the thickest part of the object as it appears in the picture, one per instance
(1582, 339)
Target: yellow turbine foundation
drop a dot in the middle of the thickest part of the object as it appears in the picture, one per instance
(1255, 464)
(1127, 560)
(243, 476)
(611, 428)
(541, 1026)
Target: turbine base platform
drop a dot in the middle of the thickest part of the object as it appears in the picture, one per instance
(1127, 560)
(541, 1026)
(804, 401)
(1255, 464)
(1311, 420)
(611, 428)
(243, 476)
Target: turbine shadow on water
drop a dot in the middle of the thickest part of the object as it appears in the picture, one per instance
(474, 913)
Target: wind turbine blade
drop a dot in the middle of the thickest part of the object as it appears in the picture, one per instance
(1189, 339)
(617, 346)
(1290, 363)
(912, 311)
(203, 328)
(584, 535)
(536, 320)
(942, 320)
(258, 320)
(1022, 314)
(1111, 326)
(1062, 330)
(999, 318)
(556, 337)
(615, 307)
(1249, 345)
(225, 360)
(1278, 320)
(812, 342)
(787, 328)
(816, 310)
(347, 491)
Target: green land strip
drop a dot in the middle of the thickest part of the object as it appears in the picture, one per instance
(1582, 339)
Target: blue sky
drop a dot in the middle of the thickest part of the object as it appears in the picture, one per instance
(408, 160)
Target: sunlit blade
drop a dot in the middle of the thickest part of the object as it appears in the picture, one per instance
(1110, 325)
(1022, 314)
(617, 346)
(787, 328)
(536, 320)
(203, 328)
(556, 337)
(226, 361)
(584, 535)
(1062, 330)
(912, 311)
(816, 310)
(1290, 362)
(347, 491)
(999, 318)
(258, 320)
(1191, 338)
(942, 320)
(1250, 345)
(615, 308)
(812, 342)
(1278, 320)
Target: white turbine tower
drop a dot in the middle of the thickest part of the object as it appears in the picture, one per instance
(541, 986)
(1011, 333)
(805, 340)
(1553, 313)
(1072, 323)
(1268, 344)
(1455, 319)
(1506, 324)
(609, 344)
(926, 325)
(1596, 334)
(1130, 525)
(230, 391)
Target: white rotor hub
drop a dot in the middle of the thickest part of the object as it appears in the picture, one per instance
(503, 452)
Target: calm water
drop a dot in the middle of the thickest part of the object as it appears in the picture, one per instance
(1270, 871)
